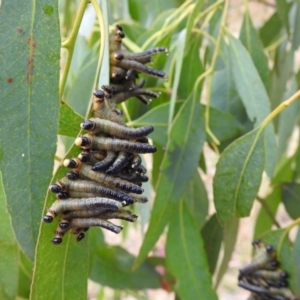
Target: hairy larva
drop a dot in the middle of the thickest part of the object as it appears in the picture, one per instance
(60, 206)
(96, 125)
(104, 143)
(108, 180)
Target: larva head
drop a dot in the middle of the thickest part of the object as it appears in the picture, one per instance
(47, 219)
(83, 141)
(118, 56)
(56, 188)
(64, 224)
(80, 237)
(99, 94)
(88, 125)
(84, 156)
(62, 195)
(73, 163)
(72, 175)
(57, 241)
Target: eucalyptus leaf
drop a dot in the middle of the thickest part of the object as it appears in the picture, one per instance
(180, 161)
(254, 96)
(112, 267)
(9, 252)
(238, 176)
(212, 235)
(191, 271)
(29, 58)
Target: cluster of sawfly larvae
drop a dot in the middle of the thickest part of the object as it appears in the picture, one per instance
(108, 174)
(263, 277)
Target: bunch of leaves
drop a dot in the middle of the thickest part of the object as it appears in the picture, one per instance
(247, 86)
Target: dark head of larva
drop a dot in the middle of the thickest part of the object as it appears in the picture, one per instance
(99, 94)
(64, 225)
(57, 241)
(62, 195)
(88, 125)
(55, 188)
(72, 175)
(70, 163)
(269, 248)
(80, 237)
(47, 219)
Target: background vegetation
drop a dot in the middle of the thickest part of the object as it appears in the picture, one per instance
(227, 107)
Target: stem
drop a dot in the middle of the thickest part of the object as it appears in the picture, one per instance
(278, 109)
(69, 44)
(210, 78)
(103, 44)
(268, 211)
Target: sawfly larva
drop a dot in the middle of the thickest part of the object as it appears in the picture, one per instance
(106, 162)
(88, 187)
(110, 144)
(91, 222)
(104, 214)
(96, 125)
(60, 206)
(121, 161)
(108, 180)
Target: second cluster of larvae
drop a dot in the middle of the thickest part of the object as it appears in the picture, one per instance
(108, 174)
(263, 277)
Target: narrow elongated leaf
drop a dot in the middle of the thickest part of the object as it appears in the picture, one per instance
(287, 119)
(186, 257)
(66, 264)
(212, 235)
(295, 24)
(288, 262)
(253, 94)
(238, 176)
(296, 259)
(196, 199)
(283, 8)
(69, 121)
(230, 232)
(250, 39)
(112, 267)
(179, 164)
(8, 251)
(29, 58)
(291, 199)
(267, 213)
(271, 29)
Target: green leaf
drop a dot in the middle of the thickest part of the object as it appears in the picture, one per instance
(8, 252)
(291, 199)
(295, 24)
(287, 119)
(186, 257)
(179, 164)
(283, 8)
(253, 95)
(67, 263)
(25, 276)
(279, 240)
(267, 213)
(270, 30)
(296, 251)
(230, 232)
(195, 197)
(224, 125)
(212, 235)
(29, 58)
(112, 267)
(238, 176)
(69, 121)
(250, 39)
(80, 92)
